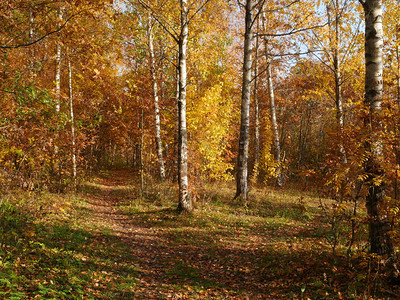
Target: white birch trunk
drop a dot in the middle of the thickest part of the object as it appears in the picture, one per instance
(274, 122)
(156, 101)
(379, 224)
(58, 69)
(256, 111)
(185, 202)
(141, 126)
(243, 154)
(176, 136)
(335, 43)
(31, 49)
(72, 118)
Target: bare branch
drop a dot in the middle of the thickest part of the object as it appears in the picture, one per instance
(37, 40)
(291, 32)
(198, 10)
(309, 51)
(282, 7)
(260, 4)
(240, 4)
(171, 31)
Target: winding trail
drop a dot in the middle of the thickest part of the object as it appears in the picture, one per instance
(154, 255)
(112, 190)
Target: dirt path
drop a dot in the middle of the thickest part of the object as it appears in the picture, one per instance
(219, 252)
(154, 256)
(111, 192)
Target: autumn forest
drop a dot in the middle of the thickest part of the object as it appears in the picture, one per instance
(199, 149)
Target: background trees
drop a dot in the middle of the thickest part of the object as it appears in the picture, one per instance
(189, 95)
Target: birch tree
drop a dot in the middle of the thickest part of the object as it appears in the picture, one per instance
(379, 224)
(256, 105)
(185, 202)
(243, 154)
(334, 38)
(180, 36)
(72, 119)
(338, 42)
(274, 122)
(58, 67)
(157, 121)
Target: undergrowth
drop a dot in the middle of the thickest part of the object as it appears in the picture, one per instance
(45, 253)
(277, 247)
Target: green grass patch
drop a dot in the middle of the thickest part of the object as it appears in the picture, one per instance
(59, 259)
(183, 273)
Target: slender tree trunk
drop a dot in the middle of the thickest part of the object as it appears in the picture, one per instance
(243, 155)
(300, 147)
(156, 101)
(58, 68)
(31, 49)
(256, 108)
(379, 224)
(398, 66)
(397, 126)
(176, 136)
(275, 128)
(335, 43)
(56, 161)
(185, 201)
(141, 156)
(71, 105)
(58, 78)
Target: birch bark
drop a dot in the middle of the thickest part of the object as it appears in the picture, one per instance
(274, 122)
(275, 129)
(379, 224)
(72, 118)
(256, 109)
(335, 43)
(243, 155)
(58, 68)
(156, 100)
(185, 202)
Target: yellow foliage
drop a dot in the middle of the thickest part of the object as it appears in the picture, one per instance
(209, 121)
(268, 166)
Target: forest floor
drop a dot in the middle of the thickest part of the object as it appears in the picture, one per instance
(106, 242)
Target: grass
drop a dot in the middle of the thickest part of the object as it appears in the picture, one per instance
(48, 254)
(106, 242)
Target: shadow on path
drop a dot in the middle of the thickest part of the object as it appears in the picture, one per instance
(178, 261)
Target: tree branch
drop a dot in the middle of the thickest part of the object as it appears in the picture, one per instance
(240, 4)
(171, 32)
(37, 40)
(291, 32)
(198, 10)
(295, 53)
(282, 7)
(261, 5)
